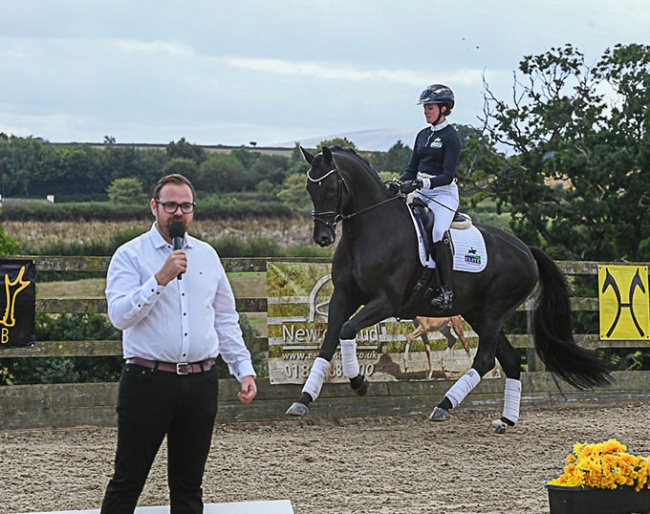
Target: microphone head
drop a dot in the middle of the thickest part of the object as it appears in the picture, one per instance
(176, 229)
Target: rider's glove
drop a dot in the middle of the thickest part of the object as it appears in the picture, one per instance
(410, 185)
(393, 187)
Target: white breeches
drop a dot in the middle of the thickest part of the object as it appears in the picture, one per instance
(443, 201)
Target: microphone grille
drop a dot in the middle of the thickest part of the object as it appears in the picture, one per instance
(176, 229)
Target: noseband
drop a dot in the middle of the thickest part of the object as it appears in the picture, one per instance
(337, 215)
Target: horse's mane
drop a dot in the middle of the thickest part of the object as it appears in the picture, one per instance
(361, 160)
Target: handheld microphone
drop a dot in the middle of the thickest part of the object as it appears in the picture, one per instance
(177, 232)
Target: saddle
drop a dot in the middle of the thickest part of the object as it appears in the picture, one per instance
(427, 284)
(424, 216)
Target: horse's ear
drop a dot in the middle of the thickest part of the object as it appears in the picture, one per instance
(306, 155)
(327, 155)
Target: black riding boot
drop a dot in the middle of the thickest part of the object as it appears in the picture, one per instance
(445, 265)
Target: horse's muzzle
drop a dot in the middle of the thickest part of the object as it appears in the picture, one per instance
(323, 236)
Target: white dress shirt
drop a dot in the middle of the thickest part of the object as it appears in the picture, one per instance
(188, 320)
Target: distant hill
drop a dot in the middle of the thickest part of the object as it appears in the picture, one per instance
(377, 140)
(380, 140)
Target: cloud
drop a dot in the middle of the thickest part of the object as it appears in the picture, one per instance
(152, 48)
(332, 72)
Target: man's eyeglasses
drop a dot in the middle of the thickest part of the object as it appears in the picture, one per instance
(172, 207)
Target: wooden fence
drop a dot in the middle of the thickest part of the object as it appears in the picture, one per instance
(65, 405)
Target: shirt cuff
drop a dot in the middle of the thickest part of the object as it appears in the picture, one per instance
(151, 290)
(426, 183)
(244, 368)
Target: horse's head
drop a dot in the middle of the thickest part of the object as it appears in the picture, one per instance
(328, 191)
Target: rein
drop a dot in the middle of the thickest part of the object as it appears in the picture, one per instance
(338, 214)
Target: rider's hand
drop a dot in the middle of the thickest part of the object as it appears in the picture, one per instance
(410, 185)
(393, 187)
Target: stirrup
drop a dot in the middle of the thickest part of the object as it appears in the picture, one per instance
(443, 300)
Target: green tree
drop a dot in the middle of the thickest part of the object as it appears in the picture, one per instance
(221, 173)
(127, 191)
(343, 142)
(575, 148)
(184, 150)
(294, 194)
(7, 245)
(182, 166)
(395, 160)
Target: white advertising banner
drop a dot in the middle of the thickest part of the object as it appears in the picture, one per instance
(298, 301)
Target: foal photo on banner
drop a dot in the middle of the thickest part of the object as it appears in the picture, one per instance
(17, 302)
(298, 300)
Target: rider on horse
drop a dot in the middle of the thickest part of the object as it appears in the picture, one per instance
(431, 172)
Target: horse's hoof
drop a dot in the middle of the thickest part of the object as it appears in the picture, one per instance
(298, 409)
(439, 414)
(499, 426)
(362, 390)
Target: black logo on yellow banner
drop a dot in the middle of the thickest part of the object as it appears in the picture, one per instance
(17, 302)
(623, 299)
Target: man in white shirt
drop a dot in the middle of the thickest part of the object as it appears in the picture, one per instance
(173, 329)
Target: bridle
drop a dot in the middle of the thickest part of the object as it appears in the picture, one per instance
(337, 215)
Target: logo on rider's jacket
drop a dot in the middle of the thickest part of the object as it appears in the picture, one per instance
(472, 257)
(437, 143)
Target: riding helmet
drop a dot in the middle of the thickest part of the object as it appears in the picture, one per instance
(438, 94)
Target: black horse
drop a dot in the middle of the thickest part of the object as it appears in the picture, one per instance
(376, 266)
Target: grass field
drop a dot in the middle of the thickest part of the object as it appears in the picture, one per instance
(285, 231)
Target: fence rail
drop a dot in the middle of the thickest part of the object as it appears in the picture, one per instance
(59, 405)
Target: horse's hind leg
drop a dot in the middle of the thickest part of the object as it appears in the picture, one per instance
(510, 361)
(457, 324)
(489, 331)
(451, 340)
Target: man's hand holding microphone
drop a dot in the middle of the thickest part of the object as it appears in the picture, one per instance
(176, 264)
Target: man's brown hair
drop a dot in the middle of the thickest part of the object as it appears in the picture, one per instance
(174, 178)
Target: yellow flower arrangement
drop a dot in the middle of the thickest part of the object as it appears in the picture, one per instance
(604, 466)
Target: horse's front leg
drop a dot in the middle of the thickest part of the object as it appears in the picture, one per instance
(373, 312)
(339, 311)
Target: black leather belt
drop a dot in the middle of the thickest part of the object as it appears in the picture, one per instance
(180, 368)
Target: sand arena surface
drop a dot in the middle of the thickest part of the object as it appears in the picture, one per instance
(381, 465)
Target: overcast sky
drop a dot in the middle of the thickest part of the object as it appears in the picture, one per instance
(274, 71)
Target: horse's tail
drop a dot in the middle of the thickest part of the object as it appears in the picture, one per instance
(552, 329)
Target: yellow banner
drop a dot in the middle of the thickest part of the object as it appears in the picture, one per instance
(623, 300)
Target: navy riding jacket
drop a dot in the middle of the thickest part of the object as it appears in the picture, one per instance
(436, 153)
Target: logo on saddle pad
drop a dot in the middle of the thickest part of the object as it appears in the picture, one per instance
(472, 257)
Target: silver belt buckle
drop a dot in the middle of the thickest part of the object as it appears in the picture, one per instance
(179, 371)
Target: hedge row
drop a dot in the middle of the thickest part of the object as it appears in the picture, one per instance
(105, 211)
